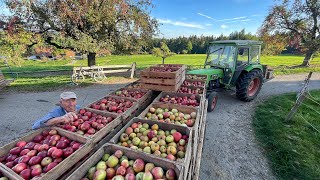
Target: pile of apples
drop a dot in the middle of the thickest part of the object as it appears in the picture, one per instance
(152, 140)
(184, 100)
(88, 123)
(170, 65)
(163, 69)
(183, 89)
(134, 86)
(136, 94)
(189, 76)
(118, 167)
(193, 83)
(172, 116)
(43, 153)
(112, 105)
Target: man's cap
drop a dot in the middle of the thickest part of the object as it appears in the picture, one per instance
(68, 95)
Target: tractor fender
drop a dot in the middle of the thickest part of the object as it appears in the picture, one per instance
(239, 72)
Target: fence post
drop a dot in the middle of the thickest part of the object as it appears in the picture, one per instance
(133, 68)
(301, 97)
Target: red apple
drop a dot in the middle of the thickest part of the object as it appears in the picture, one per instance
(51, 150)
(36, 171)
(32, 153)
(38, 138)
(24, 159)
(49, 167)
(55, 137)
(42, 154)
(58, 160)
(19, 167)
(43, 147)
(10, 164)
(35, 160)
(24, 152)
(15, 150)
(53, 132)
(45, 132)
(36, 146)
(76, 146)
(67, 151)
(57, 153)
(177, 136)
(21, 144)
(11, 157)
(25, 174)
(61, 145)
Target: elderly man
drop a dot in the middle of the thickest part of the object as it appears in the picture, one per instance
(65, 113)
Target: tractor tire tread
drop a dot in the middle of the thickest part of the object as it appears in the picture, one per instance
(243, 83)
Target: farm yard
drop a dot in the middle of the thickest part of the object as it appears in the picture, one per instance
(159, 90)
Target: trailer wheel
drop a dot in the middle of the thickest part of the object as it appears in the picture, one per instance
(212, 101)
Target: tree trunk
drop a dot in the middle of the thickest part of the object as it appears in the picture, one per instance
(163, 60)
(307, 58)
(91, 59)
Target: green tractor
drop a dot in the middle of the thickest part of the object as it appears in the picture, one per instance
(233, 63)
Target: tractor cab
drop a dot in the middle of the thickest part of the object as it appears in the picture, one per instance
(233, 63)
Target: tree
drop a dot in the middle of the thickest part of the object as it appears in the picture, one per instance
(162, 52)
(189, 47)
(14, 40)
(299, 19)
(87, 26)
(273, 44)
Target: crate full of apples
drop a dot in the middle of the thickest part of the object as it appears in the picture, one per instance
(194, 83)
(171, 114)
(115, 162)
(157, 139)
(117, 105)
(197, 77)
(136, 94)
(193, 100)
(46, 154)
(192, 90)
(93, 124)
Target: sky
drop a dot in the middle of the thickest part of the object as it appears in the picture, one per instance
(209, 17)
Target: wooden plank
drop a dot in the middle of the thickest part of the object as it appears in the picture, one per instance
(201, 141)
(153, 74)
(161, 87)
(110, 149)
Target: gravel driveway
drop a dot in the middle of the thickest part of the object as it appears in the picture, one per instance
(230, 150)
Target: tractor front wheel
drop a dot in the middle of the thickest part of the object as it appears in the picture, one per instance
(212, 101)
(249, 85)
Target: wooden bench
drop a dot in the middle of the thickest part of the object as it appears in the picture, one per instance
(4, 82)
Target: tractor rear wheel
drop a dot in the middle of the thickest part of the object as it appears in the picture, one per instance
(249, 85)
(212, 101)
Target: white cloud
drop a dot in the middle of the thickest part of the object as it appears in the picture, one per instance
(223, 26)
(179, 23)
(206, 16)
(208, 24)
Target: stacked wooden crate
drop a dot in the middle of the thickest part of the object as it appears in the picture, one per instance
(165, 77)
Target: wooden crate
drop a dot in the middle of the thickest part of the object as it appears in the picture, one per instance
(197, 144)
(203, 93)
(163, 87)
(171, 94)
(4, 172)
(63, 166)
(197, 77)
(164, 126)
(169, 65)
(170, 75)
(105, 130)
(110, 149)
(125, 114)
(142, 99)
(183, 109)
(194, 80)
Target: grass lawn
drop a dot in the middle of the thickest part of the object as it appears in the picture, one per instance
(292, 148)
(281, 64)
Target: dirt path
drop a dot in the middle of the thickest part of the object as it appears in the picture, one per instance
(230, 150)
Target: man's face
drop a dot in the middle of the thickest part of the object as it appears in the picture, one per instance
(68, 104)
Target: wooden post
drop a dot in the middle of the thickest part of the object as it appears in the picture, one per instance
(133, 68)
(301, 97)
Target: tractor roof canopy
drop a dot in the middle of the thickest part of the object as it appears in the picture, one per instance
(238, 42)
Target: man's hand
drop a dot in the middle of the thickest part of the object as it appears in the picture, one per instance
(69, 117)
